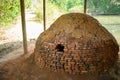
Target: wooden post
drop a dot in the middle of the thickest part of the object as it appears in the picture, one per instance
(22, 5)
(44, 14)
(85, 6)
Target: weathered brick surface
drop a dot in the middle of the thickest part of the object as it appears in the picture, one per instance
(76, 44)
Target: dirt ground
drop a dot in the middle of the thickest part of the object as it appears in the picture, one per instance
(14, 50)
(24, 68)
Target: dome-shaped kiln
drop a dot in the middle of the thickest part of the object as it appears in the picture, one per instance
(76, 43)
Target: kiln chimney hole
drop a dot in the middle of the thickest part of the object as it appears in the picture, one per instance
(60, 47)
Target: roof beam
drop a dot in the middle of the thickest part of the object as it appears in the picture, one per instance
(22, 5)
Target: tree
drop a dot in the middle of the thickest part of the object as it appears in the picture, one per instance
(60, 3)
(9, 9)
(73, 3)
(67, 4)
(104, 6)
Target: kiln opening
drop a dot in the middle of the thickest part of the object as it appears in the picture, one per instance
(60, 47)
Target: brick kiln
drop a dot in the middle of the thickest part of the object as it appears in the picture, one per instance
(76, 43)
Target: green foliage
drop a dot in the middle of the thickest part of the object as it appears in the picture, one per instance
(104, 6)
(77, 9)
(51, 11)
(9, 9)
(66, 5)
(39, 11)
(61, 4)
(28, 3)
(54, 8)
(74, 3)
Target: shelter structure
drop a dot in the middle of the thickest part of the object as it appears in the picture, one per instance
(44, 20)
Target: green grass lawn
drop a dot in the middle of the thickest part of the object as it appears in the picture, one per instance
(112, 24)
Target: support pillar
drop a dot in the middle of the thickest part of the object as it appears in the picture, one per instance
(85, 6)
(44, 14)
(22, 6)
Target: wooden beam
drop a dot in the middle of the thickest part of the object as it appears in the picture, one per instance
(85, 6)
(44, 14)
(22, 5)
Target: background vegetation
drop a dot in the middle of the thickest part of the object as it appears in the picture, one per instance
(9, 9)
(93, 6)
(104, 7)
(51, 11)
(55, 8)
(106, 11)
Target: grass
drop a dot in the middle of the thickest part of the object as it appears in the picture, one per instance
(112, 24)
